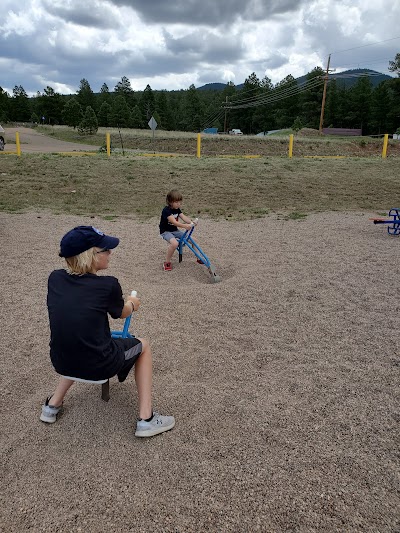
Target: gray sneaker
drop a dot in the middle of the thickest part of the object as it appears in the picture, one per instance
(49, 412)
(158, 424)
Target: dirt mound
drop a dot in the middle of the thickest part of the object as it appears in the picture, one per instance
(308, 132)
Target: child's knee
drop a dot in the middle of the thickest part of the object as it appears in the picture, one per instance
(145, 344)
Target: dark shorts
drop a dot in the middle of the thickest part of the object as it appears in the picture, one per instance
(133, 349)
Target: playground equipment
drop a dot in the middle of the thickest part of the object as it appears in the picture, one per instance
(394, 221)
(124, 333)
(187, 240)
(105, 383)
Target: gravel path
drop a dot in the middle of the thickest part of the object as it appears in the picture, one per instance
(283, 379)
(32, 141)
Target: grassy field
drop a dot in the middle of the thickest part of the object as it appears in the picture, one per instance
(306, 143)
(228, 188)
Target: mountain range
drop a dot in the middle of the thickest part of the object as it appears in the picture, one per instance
(346, 79)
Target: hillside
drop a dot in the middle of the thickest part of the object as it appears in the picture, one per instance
(347, 78)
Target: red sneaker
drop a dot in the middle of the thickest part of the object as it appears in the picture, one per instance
(200, 262)
(167, 266)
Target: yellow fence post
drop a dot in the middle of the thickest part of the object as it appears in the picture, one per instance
(108, 144)
(18, 144)
(290, 146)
(385, 144)
(198, 145)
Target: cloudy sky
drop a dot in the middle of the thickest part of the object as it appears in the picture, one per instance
(170, 44)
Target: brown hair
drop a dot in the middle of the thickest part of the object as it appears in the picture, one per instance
(84, 263)
(174, 196)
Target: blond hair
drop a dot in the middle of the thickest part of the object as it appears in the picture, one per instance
(84, 263)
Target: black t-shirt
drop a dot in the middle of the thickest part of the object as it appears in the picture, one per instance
(164, 223)
(80, 339)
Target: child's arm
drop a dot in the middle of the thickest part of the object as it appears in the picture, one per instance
(189, 220)
(132, 304)
(171, 220)
(185, 218)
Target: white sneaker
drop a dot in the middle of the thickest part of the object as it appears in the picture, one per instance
(158, 424)
(49, 413)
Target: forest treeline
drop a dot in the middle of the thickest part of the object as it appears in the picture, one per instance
(256, 106)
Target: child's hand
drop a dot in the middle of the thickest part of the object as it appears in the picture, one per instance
(135, 300)
(189, 226)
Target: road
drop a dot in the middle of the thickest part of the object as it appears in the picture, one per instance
(34, 142)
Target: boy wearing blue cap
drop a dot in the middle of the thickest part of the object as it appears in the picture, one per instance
(81, 346)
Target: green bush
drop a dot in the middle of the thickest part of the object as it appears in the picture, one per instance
(89, 124)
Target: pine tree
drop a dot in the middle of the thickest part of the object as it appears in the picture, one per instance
(104, 115)
(285, 107)
(120, 113)
(4, 105)
(72, 113)
(85, 95)
(89, 124)
(311, 99)
(137, 118)
(380, 109)
(360, 98)
(104, 95)
(123, 88)
(51, 105)
(147, 103)
(394, 66)
(193, 116)
(20, 109)
(164, 111)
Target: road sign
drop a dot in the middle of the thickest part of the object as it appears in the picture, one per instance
(152, 123)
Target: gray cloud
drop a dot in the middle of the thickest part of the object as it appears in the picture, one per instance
(274, 61)
(208, 12)
(88, 14)
(206, 46)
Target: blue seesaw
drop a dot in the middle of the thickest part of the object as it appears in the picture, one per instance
(394, 221)
(188, 241)
(124, 333)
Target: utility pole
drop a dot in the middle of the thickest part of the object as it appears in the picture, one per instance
(321, 120)
(226, 111)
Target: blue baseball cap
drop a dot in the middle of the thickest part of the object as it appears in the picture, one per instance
(83, 238)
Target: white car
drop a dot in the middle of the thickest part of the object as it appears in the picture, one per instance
(2, 141)
(236, 132)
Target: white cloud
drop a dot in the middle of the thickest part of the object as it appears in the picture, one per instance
(58, 42)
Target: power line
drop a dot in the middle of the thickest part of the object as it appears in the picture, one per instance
(370, 62)
(213, 118)
(365, 45)
(282, 89)
(265, 100)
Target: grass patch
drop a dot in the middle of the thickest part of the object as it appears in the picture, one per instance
(216, 187)
(295, 216)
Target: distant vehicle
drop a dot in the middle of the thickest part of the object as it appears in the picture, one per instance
(235, 132)
(2, 141)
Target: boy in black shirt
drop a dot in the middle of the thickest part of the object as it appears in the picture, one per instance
(79, 302)
(170, 224)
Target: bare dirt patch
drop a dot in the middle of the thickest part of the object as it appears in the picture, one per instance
(33, 141)
(283, 379)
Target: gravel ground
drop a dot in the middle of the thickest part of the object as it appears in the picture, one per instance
(283, 379)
